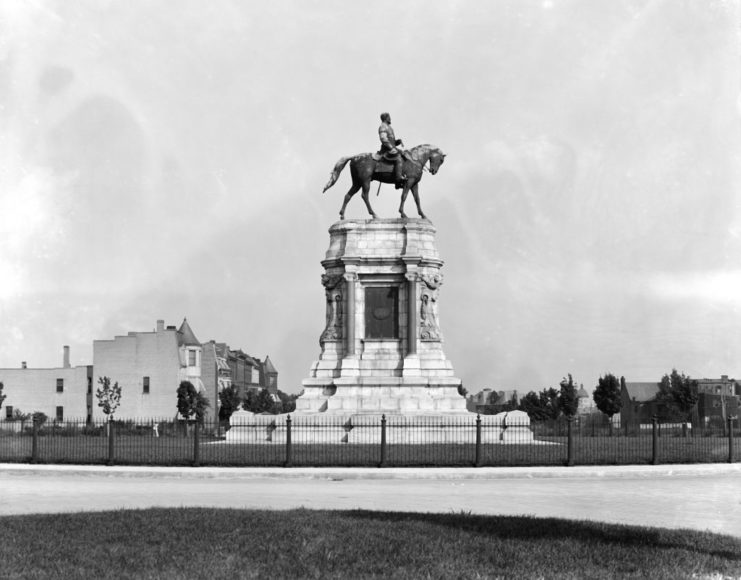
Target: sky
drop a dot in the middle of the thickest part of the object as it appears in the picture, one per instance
(166, 160)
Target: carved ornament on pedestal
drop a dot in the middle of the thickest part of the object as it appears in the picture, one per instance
(333, 289)
(429, 327)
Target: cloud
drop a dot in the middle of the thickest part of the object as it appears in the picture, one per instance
(718, 287)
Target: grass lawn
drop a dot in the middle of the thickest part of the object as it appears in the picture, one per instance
(209, 543)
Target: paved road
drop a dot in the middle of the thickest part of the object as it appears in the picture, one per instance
(701, 497)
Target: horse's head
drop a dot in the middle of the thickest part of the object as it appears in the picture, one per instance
(436, 160)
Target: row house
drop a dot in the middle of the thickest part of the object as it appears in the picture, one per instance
(148, 366)
(61, 393)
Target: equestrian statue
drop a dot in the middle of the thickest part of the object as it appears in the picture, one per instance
(390, 165)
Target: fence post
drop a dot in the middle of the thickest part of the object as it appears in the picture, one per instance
(35, 441)
(111, 438)
(730, 439)
(478, 441)
(570, 440)
(288, 441)
(383, 441)
(655, 440)
(196, 444)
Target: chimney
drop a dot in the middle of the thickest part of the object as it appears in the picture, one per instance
(65, 359)
(23, 365)
(160, 325)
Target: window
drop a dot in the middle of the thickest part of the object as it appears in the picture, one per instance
(8, 412)
(145, 387)
(60, 413)
(191, 358)
(90, 385)
(381, 312)
(60, 385)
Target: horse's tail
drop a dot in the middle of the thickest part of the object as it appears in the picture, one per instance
(338, 167)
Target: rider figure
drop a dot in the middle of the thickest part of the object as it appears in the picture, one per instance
(389, 150)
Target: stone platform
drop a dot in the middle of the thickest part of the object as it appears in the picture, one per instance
(365, 428)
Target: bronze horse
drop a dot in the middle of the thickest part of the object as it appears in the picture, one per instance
(364, 168)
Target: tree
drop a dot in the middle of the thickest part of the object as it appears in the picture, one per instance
(39, 418)
(678, 392)
(191, 402)
(2, 397)
(21, 417)
(230, 402)
(462, 391)
(568, 401)
(109, 396)
(541, 406)
(259, 402)
(287, 402)
(607, 396)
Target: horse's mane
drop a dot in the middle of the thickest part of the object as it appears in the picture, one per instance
(419, 151)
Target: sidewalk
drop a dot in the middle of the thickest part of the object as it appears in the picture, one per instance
(422, 473)
(700, 497)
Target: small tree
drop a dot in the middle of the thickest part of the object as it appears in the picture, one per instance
(109, 397)
(568, 402)
(229, 400)
(191, 402)
(678, 392)
(21, 417)
(541, 406)
(2, 397)
(259, 402)
(607, 396)
(287, 402)
(39, 418)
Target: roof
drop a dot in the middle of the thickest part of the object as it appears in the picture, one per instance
(582, 393)
(186, 336)
(268, 366)
(642, 392)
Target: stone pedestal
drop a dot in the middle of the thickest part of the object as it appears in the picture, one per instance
(381, 351)
(382, 347)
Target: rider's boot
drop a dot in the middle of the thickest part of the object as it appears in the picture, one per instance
(398, 177)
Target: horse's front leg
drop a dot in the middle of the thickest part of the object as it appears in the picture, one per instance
(366, 199)
(404, 194)
(415, 193)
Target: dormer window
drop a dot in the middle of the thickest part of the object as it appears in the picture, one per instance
(192, 357)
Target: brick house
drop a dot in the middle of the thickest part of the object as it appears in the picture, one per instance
(61, 393)
(149, 367)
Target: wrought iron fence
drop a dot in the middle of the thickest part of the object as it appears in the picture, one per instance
(282, 440)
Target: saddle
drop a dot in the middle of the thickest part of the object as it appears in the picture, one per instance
(385, 162)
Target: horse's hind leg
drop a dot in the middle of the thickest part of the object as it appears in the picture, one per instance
(348, 196)
(366, 199)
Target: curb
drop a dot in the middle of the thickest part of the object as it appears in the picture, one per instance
(373, 473)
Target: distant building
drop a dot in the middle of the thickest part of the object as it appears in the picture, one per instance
(489, 402)
(61, 393)
(148, 366)
(638, 402)
(224, 367)
(721, 386)
(717, 400)
(586, 404)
